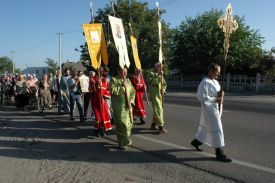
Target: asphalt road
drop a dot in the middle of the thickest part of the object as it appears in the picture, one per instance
(249, 130)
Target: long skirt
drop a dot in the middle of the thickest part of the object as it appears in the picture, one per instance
(45, 97)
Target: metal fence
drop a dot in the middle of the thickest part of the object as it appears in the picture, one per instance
(259, 83)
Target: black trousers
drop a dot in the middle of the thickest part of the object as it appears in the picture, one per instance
(21, 100)
(87, 100)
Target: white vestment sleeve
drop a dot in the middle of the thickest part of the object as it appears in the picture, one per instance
(203, 94)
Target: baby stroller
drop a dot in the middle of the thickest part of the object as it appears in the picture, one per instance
(8, 93)
(34, 99)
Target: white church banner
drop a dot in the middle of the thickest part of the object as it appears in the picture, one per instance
(120, 41)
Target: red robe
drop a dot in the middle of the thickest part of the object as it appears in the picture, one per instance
(100, 92)
(139, 85)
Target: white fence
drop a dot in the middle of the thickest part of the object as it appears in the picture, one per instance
(259, 83)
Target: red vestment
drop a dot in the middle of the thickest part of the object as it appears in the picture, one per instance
(139, 85)
(100, 94)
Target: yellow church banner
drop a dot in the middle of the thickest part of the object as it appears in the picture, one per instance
(96, 44)
(135, 52)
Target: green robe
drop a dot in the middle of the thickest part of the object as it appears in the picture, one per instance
(156, 96)
(121, 112)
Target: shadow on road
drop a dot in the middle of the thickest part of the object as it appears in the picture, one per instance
(31, 136)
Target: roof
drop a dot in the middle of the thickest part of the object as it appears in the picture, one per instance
(76, 66)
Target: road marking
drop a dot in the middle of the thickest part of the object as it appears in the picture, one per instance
(239, 162)
(182, 106)
(186, 106)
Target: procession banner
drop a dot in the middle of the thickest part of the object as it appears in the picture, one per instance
(96, 44)
(103, 48)
(135, 52)
(160, 35)
(120, 40)
(160, 42)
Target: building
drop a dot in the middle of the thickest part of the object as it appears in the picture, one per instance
(38, 71)
(74, 66)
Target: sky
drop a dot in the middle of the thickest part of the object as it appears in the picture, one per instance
(28, 28)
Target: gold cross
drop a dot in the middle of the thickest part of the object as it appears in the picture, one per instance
(228, 25)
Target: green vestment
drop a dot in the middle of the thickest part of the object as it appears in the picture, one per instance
(156, 88)
(121, 112)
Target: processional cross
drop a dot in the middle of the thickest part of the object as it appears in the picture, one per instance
(228, 25)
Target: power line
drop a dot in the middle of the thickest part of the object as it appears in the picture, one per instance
(71, 31)
(169, 2)
(36, 46)
(46, 41)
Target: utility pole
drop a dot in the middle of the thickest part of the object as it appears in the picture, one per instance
(113, 7)
(60, 53)
(92, 12)
(27, 69)
(13, 64)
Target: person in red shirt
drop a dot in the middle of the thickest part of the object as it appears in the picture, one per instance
(140, 86)
(100, 94)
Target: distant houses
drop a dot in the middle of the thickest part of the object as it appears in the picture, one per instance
(38, 71)
(74, 66)
(41, 71)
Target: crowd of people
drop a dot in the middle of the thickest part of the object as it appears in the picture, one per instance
(7, 82)
(118, 100)
(27, 90)
(114, 100)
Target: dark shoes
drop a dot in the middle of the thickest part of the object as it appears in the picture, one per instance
(96, 133)
(162, 130)
(142, 121)
(223, 158)
(195, 143)
(220, 156)
(154, 126)
(122, 148)
(99, 132)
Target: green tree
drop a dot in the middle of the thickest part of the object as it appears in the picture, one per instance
(144, 25)
(18, 71)
(5, 65)
(267, 64)
(52, 64)
(199, 41)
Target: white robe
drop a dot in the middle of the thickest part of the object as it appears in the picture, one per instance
(210, 131)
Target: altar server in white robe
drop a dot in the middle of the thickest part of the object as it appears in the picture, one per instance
(210, 130)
